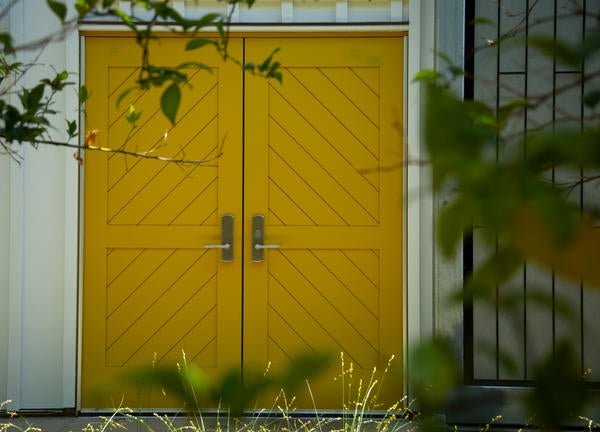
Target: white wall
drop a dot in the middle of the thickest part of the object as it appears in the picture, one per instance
(4, 266)
(34, 333)
(4, 276)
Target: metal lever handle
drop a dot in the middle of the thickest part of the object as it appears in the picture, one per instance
(221, 246)
(269, 246)
(226, 245)
(258, 234)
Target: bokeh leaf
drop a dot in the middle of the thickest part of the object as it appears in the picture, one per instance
(452, 222)
(435, 373)
(560, 393)
(555, 48)
(575, 258)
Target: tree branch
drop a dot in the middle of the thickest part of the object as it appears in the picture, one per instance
(143, 155)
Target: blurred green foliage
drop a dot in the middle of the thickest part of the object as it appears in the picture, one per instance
(233, 391)
(497, 179)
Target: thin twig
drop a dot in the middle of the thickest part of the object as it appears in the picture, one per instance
(143, 155)
(6, 10)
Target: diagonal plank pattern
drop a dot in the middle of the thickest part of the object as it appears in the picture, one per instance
(324, 136)
(147, 192)
(151, 288)
(156, 300)
(306, 154)
(328, 296)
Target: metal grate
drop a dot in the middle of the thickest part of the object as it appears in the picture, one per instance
(502, 344)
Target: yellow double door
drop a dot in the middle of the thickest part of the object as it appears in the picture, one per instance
(302, 180)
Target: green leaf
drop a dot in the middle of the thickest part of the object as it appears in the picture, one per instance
(205, 20)
(72, 128)
(495, 271)
(557, 49)
(126, 19)
(35, 96)
(560, 392)
(169, 102)
(591, 44)
(6, 41)
(220, 25)
(123, 95)
(274, 72)
(268, 68)
(59, 9)
(454, 137)
(186, 384)
(435, 372)
(194, 65)
(133, 116)
(198, 43)
(592, 98)
(427, 75)
(83, 94)
(482, 20)
(506, 110)
(83, 7)
(453, 220)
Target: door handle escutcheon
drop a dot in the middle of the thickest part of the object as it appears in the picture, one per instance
(258, 238)
(226, 245)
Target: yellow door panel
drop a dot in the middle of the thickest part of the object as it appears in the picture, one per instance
(318, 156)
(151, 289)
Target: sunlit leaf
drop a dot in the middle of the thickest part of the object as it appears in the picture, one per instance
(132, 115)
(427, 76)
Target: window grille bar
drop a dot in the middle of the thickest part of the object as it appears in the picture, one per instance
(559, 109)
